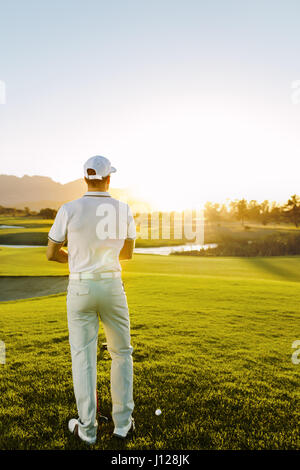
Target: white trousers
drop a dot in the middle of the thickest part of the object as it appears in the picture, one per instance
(87, 300)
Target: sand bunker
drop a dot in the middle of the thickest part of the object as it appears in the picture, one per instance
(24, 287)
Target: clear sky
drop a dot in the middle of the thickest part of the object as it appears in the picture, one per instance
(190, 99)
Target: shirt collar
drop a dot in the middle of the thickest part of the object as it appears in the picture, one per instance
(97, 193)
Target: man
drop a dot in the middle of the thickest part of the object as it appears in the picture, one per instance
(100, 231)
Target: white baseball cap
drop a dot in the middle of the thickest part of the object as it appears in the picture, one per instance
(101, 165)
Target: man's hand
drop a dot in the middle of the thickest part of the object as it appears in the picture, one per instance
(127, 250)
(56, 253)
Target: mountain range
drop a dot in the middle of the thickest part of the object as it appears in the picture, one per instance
(38, 192)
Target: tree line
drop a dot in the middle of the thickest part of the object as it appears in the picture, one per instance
(274, 244)
(252, 211)
(46, 213)
(242, 210)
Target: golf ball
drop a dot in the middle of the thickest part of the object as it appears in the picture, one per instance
(158, 412)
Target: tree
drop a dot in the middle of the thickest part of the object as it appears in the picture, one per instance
(47, 213)
(292, 210)
(275, 213)
(212, 212)
(240, 209)
(264, 212)
(253, 210)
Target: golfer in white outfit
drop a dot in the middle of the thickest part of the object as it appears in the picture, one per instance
(100, 230)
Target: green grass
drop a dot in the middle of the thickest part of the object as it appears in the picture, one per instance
(35, 231)
(25, 221)
(33, 262)
(212, 349)
(28, 262)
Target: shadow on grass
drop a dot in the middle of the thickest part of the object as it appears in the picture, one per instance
(24, 238)
(270, 265)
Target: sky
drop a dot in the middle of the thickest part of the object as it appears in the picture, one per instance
(190, 100)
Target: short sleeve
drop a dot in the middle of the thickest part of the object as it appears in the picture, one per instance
(58, 231)
(131, 230)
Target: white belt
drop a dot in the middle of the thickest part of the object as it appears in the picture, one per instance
(95, 276)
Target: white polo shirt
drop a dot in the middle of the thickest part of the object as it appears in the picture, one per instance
(95, 226)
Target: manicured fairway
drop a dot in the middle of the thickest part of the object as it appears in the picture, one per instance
(33, 262)
(212, 349)
(28, 262)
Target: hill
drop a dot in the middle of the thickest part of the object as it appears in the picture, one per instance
(37, 192)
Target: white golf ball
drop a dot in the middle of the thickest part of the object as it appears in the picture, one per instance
(158, 412)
